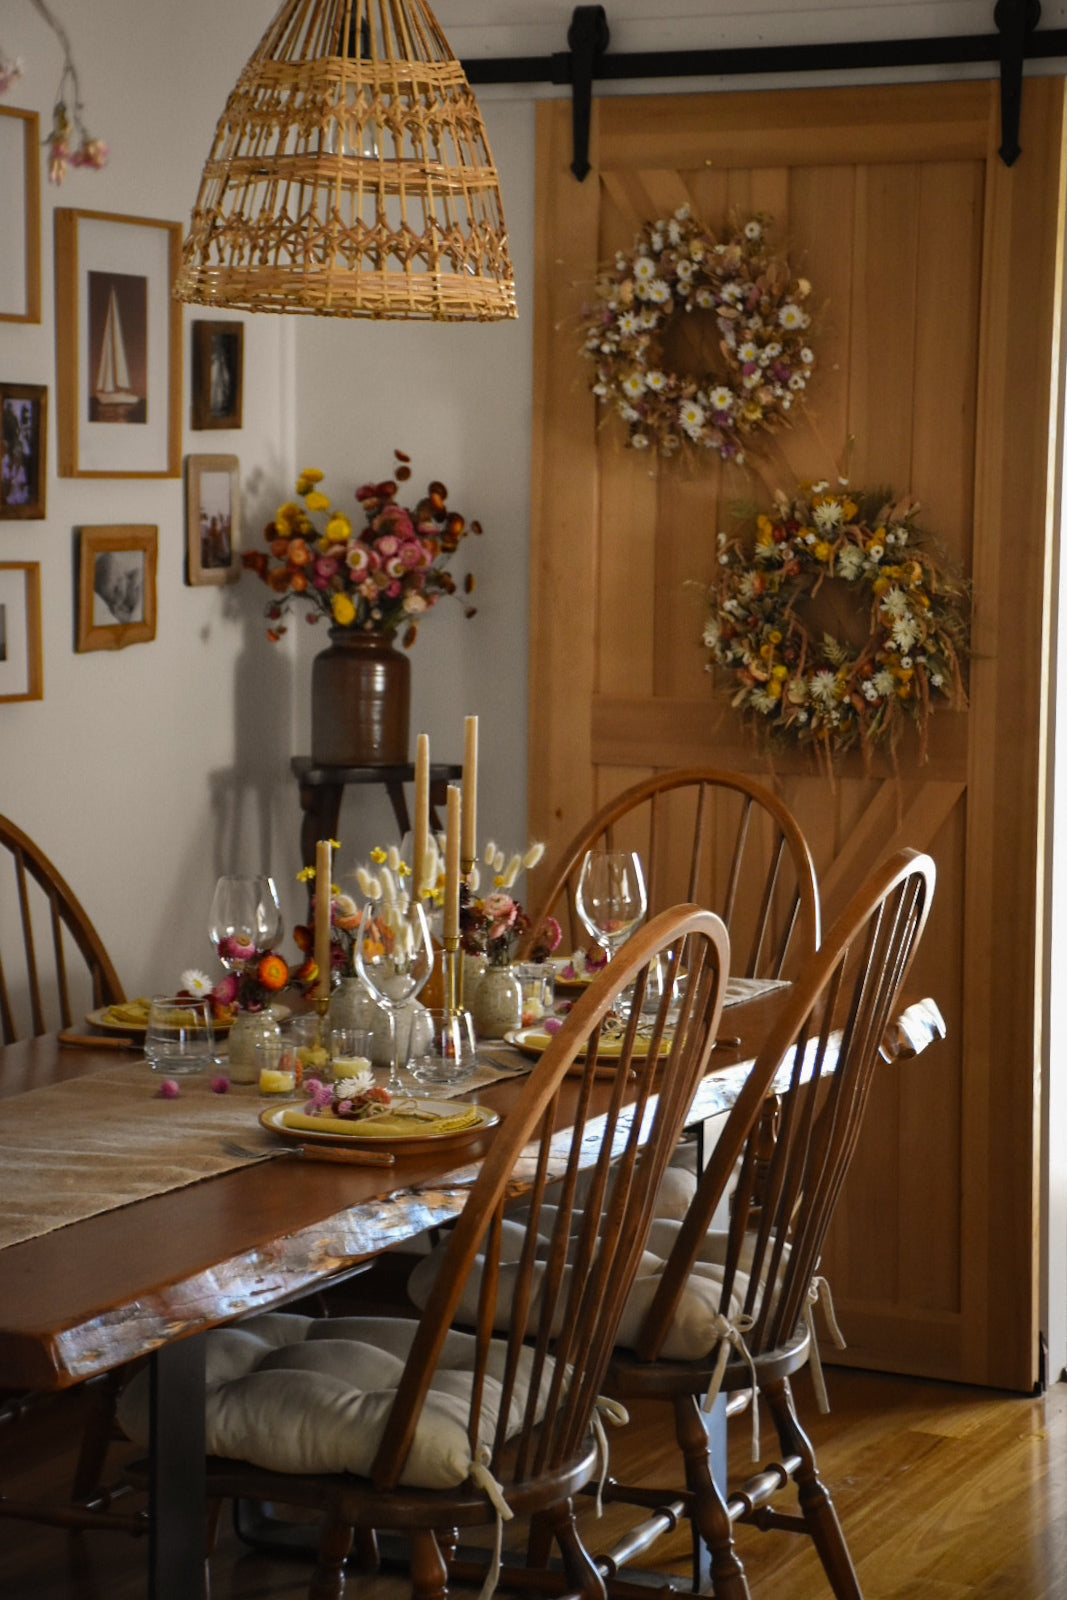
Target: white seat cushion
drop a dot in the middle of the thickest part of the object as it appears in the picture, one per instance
(697, 1328)
(303, 1394)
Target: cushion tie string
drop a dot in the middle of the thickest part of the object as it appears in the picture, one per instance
(732, 1334)
(483, 1479)
(819, 1293)
(619, 1416)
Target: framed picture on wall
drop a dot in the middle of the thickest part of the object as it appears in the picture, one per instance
(213, 519)
(21, 677)
(116, 587)
(23, 446)
(20, 207)
(118, 346)
(218, 374)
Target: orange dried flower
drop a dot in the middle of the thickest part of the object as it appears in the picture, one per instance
(272, 972)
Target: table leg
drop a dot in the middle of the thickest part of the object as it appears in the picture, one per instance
(394, 788)
(177, 1534)
(321, 805)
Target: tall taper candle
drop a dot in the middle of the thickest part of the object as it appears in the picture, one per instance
(452, 808)
(323, 886)
(422, 813)
(469, 841)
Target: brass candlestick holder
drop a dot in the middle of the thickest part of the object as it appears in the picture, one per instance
(453, 973)
(321, 1005)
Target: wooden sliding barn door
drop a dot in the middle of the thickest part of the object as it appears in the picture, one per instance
(934, 273)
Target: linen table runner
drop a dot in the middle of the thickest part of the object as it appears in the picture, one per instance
(92, 1144)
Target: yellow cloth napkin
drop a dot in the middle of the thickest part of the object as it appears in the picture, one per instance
(390, 1125)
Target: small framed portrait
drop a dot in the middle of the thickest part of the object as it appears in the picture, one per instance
(116, 587)
(23, 445)
(218, 374)
(213, 519)
(20, 631)
(118, 346)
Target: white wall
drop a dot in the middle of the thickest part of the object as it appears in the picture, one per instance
(147, 772)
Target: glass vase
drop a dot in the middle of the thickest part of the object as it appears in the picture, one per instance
(251, 1031)
(496, 1004)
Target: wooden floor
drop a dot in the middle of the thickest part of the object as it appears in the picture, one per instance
(944, 1493)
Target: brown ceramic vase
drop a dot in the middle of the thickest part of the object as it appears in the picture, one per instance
(360, 701)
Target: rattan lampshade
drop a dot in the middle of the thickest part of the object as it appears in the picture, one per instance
(351, 176)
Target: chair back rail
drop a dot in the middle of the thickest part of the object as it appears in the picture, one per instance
(564, 1300)
(820, 1059)
(43, 914)
(717, 838)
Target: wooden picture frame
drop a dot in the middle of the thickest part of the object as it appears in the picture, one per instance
(23, 451)
(20, 207)
(218, 374)
(212, 519)
(21, 675)
(116, 587)
(118, 346)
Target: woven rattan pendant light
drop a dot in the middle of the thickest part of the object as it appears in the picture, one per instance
(351, 176)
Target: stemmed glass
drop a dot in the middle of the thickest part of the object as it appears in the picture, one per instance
(394, 957)
(245, 909)
(611, 898)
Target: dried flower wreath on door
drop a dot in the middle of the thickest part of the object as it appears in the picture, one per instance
(678, 266)
(803, 688)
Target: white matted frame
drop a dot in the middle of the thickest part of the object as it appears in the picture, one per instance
(20, 209)
(21, 677)
(213, 519)
(116, 587)
(118, 346)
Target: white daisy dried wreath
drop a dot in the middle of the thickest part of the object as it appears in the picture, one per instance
(799, 689)
(679, 266)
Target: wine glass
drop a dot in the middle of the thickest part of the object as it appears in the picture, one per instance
(394, 957)
(245, 909)
(611, 898)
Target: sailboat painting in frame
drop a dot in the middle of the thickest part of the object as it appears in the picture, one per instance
(118, 346)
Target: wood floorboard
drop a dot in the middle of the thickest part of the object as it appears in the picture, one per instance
(945, 1493)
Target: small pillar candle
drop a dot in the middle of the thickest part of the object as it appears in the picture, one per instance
(422, 815)
(323, 886)
(469, 838)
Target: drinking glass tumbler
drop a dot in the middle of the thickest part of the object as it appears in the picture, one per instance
(179, 1037)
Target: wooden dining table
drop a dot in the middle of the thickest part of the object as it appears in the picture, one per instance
(147, 1278)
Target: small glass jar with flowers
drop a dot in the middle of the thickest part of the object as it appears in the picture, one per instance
(243, 998)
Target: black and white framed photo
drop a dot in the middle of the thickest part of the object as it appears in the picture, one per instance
(118, 346)
(213, 519)
(21, 677)
(116, 587)
(23, 450)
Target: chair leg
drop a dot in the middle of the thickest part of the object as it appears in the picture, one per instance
(334, 1543)
(711, 1520)
(582, 1574)
(816, 1506)
(429, 1574)
(538, 1542)
(98, 1433)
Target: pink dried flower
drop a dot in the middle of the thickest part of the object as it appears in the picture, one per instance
(168, 1089)
(225, 991)
(90, 153)
(219, 1084)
